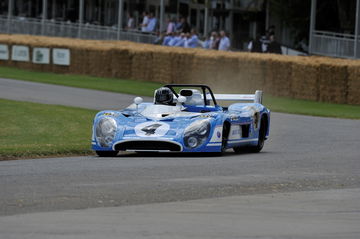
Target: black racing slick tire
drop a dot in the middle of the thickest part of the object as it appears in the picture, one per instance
(262, 136)
(225, 136)
(107, 153)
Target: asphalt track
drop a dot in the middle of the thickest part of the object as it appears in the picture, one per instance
(266, 195)
(62, 95)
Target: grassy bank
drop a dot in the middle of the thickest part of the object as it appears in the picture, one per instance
(147, 89)
(36, 130)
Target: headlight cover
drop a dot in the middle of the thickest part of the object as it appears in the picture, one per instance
(105, 131)
(196, 133)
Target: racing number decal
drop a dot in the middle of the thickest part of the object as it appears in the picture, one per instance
(152, 129)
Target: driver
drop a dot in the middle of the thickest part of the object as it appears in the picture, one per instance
(164, 96)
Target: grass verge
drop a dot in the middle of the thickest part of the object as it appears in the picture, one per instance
(276, 104)
(38, 130)
(307, 107)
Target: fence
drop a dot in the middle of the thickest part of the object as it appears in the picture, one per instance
(334, 44)
(33, 26)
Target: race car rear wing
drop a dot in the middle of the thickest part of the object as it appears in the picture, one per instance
(256, 98)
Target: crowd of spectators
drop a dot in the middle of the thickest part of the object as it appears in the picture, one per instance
(178, 33)
(266, 43)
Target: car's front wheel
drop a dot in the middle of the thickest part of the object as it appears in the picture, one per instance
(225, 136)
(107, 153)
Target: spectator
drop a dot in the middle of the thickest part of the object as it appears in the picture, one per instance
(224, 44)
(130, 22)
(181, 41)
(159, 38)
(171, 26)
(185, 26)
(214, 41)
(206, 42)
(175, 39)
(265, 40)
(151, 26)
(167, 39)
(255, 45)
(274, 46)
(192, 39)
(186, 41)
(145, 21)
(178, 25)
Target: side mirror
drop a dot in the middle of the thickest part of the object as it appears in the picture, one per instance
(181, 99)
(138, 100)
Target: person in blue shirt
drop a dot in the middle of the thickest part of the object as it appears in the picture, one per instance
(181, 42)
(224, 44)
(192, 40)
(167, 39)
(206, 42)
(175, 39)
(151, 26)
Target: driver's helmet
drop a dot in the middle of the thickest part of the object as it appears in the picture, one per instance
(164, 96)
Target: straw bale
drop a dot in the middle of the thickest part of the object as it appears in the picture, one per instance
(353, 96)
(332, 80)
(304, 80)
(278, 77)
(119, 62)
(314, 78)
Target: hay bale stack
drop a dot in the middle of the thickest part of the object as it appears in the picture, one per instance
(353, 96)
(204, 69)
(162, 65)
(120, 62)
(333, 82)
(304, 80)
(278, 76)
(312, 78)
(182, 67)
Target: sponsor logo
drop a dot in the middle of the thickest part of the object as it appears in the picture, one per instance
(218, 134)
(111, 114)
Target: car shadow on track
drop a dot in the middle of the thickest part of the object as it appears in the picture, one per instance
(182, 154)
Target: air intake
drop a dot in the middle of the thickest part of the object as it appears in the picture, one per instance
(148, 145)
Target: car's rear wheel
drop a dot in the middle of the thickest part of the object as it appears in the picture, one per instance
(107, 153)
(261, 140)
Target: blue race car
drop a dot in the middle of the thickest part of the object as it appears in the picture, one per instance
(183, 118)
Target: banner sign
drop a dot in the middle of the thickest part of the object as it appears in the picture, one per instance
(4, 52)
(61, 56)
(20, 53)
(41, 55)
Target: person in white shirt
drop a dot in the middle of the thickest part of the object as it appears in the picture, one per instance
(145, 22)
(224, 44)
(131, 22)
